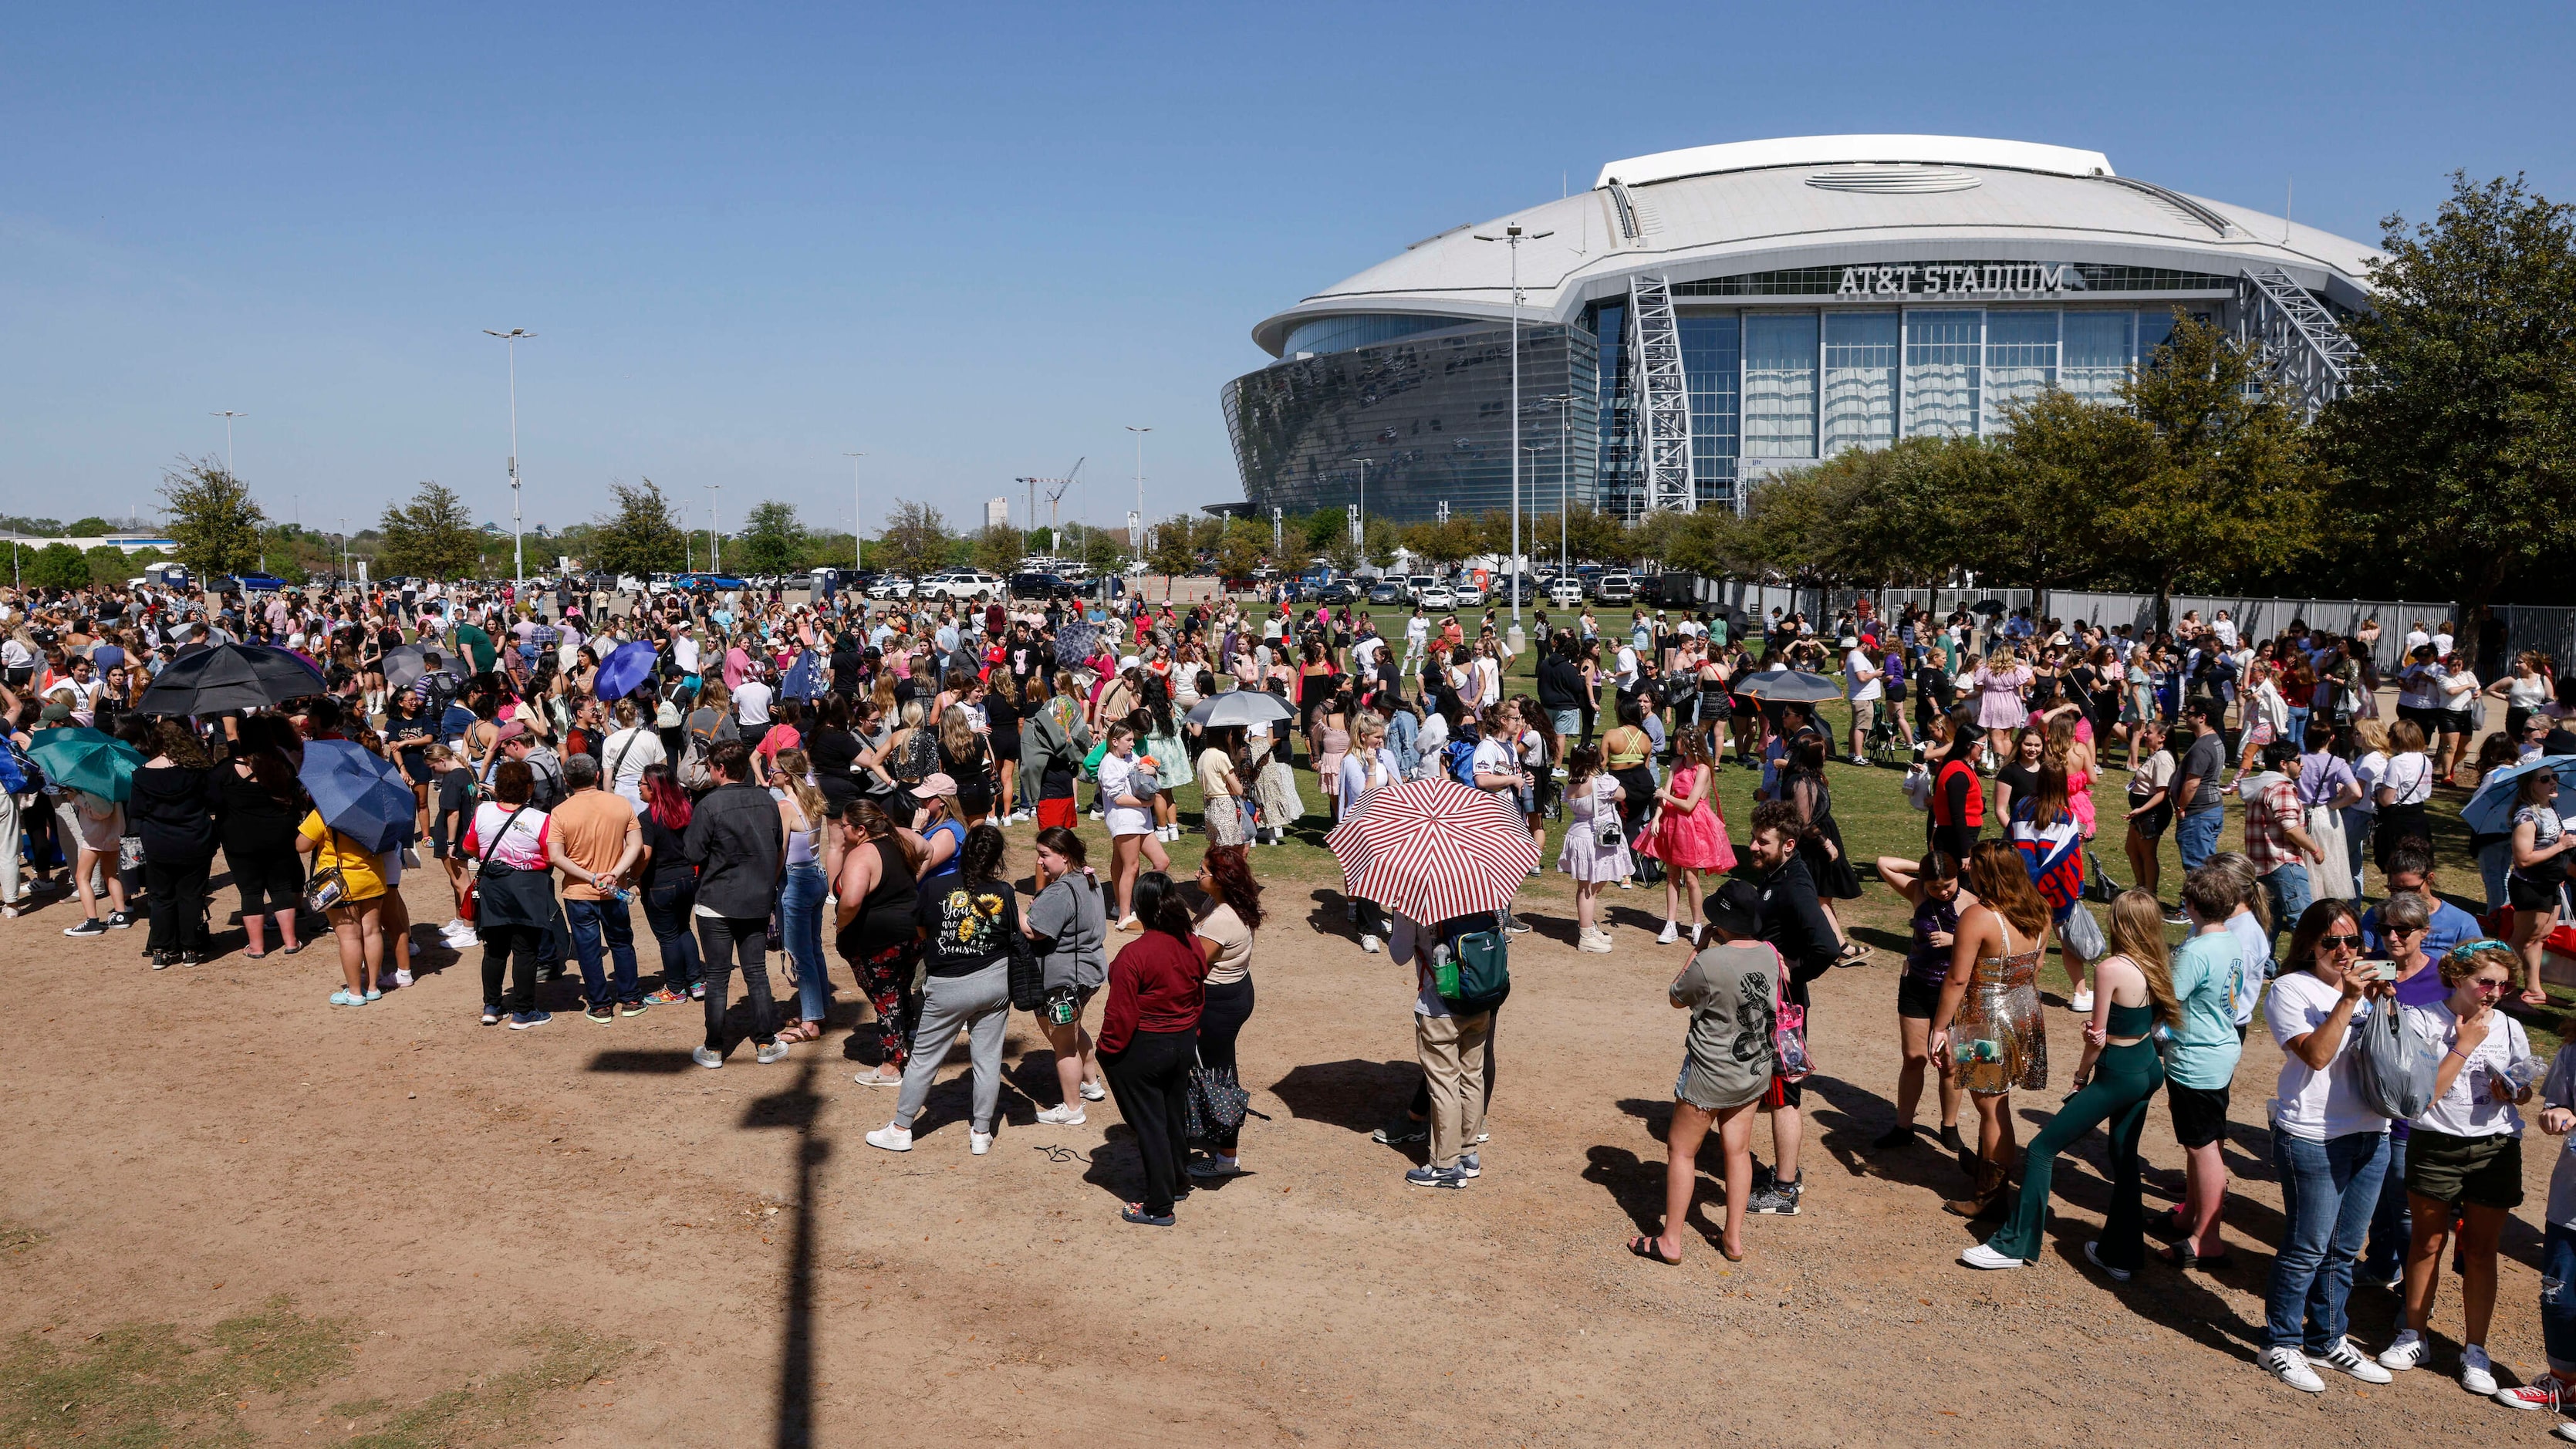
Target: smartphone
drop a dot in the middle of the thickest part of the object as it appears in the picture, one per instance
(2383, 970)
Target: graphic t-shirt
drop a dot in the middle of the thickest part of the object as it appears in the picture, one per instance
(1731, 990)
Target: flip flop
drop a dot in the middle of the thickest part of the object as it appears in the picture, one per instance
(1644, 1247)
(1730, 1257)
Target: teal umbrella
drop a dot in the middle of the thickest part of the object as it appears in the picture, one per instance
(85, 759)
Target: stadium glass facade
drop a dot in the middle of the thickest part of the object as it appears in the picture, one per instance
(1429, 411)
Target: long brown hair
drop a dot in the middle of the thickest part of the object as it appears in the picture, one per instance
(2002, 884)
(1231, 869)
(2138, 932)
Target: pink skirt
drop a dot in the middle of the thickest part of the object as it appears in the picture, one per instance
(1695, 841)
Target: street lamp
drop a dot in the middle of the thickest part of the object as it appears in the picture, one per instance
(228, 415)
(715, 551)
(1362, 540)
(518, 548)
(1564, 442)
(855, 565)
(1512, 237)
(1140, 488)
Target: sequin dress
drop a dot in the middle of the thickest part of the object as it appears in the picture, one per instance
(1999, 1039)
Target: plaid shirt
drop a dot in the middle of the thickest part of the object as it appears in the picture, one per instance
(2270, 814)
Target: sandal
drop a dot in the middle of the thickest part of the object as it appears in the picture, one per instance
(253, 955)
(1644, 1247)
(1723, 1253)
(298, 946)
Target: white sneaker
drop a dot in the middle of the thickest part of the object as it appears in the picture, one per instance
(2291, 1367)
(979, 1143)
(402, 974)
(2081, 1003)
(705, 1057)
(2406, 1353)
(891, 1138)
(2346, 1358)
(1368, 943)
(1670, 934)
(1982, 1256)
(2477, 1374)
(1067, 1115)
(1596, 942)
(1094, 1092)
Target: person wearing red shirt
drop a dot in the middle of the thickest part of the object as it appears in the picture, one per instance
(1149, 1037)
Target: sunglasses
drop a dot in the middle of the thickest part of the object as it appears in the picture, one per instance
(2407, 930)
(2340, 943)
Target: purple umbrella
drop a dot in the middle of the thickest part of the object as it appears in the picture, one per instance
(626, 667)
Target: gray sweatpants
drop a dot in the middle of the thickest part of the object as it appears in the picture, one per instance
(981, 1003)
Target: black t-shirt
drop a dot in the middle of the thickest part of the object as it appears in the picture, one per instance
(2204, 761)
(670, 858)
(2021, 778)
(971, 927)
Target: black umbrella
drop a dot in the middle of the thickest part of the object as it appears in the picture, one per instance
(230, 677)
(1786, 686)
(1988, 607)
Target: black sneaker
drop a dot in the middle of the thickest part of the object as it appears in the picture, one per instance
(119, 921)
(600, 1015)
(1401, 1129)
(192, 958)
(92, 926)
(1777, 1198)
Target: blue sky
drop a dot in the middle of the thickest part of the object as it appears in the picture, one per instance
(976, 242)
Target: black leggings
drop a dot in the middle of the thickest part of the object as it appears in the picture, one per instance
(1229, 1006)
(177, 889)
(1151, 1080)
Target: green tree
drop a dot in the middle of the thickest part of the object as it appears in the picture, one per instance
(916, 541)
(432, 535)
(1242, 548)
(57, 566)
(213, 521)
(1446, 544)
(109, 568)
(90, 527)
(771, 540)
(2195, 473)
(640, 536)
(999, 548)
(1174, 551)
(2457, 443)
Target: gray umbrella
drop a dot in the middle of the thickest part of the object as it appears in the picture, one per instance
(404, 664)
(1240, 707)
(1075, 643)
(1786, 686)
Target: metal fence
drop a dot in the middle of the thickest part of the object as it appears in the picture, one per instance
(2552, 631)
(2260, 618)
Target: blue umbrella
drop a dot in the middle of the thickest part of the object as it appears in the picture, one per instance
(361, 795)
(2490, 811)
(627, 666)
(804, 677)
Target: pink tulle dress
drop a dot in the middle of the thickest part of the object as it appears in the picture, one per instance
(1693, 839)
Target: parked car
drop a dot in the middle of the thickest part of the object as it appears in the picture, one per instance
(1566, 592)
(1339, 591)
(1435, 598)
(1040, 586)
(890, 586)
(715, 583)
(1615, 588)
(958, 585)
(1386, 591)
(262, 583)
(1470, 594)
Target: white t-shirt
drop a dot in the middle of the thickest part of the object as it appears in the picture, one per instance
(1121, 819)
(1627, 667)
(2416, 639)
(2309, 1103)
(2225, 629)
(1494, 757)
(1864, 676)
(626, 755)
(1364, 653)
(2442, 645)
(2369, 770)
(1417, 631)
(751, 702)
(2409, 778)
(2469, 1109)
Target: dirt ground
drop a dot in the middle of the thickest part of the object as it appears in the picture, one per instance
(697, 1258)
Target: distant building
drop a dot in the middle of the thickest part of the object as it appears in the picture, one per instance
(997, 513)
(130, 542)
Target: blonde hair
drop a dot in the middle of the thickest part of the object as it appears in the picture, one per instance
(2138, 933)
(794, 767)
(625, 713)
(2406, 737)
(957, 731)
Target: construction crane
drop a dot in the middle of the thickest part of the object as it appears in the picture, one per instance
(1055, 492)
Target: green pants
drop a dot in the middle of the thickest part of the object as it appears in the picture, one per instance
(2125, 1080)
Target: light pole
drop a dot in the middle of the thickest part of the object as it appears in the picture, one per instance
(518, 547)
(1564, 440)
(855, 565)
(715, 551)
(1362, 539)
(344, 551)
(1512, 237)
(228, 415)
(1140, 488)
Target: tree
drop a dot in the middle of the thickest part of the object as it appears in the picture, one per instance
(999, 548)
(916, 539)
(1242, 548)
(640, 537)
(214, 524)
(90, 527)
(1173, 552)
(771, 540)
(1101, 551)
(109, 568)
(2195, 473)
(2455, 442)
(57, 566)
(432, 535)
(1446, 544)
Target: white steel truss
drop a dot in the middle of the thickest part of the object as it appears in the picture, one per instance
(1663, 398)
(2306, 359)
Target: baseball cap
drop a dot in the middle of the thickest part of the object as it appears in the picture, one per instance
(57, 713)
(516, 729)
(935, 785)
(1129, 662)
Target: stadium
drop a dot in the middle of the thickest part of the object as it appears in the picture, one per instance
(1703, 318)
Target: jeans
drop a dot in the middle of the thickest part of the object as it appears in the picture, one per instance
(722, 940)
(2558, 1295)
(2392, 1227)
(2328, 1192)
(2358, 821)
(590, 920)
(800, 929)
(666, 915)
(2196, 837)
(2287, 888)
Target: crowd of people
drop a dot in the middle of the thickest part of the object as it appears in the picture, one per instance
(749, 765)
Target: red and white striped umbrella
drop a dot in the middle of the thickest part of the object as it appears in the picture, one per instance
(1434, 849)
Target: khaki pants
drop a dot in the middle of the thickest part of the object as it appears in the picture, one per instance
(1452, 1049)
